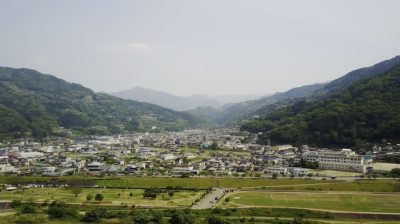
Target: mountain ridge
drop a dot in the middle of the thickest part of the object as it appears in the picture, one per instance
(180, 103)
(363, 112)
(41, 103)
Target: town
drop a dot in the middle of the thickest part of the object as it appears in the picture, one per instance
(223, 152)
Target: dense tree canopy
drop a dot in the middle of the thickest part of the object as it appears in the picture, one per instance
(367, 111)
(37, 104)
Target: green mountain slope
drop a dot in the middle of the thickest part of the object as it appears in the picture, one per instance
(267, 104)
(37, 104)
(366, 111)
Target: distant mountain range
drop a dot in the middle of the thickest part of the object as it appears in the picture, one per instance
(356, 110)
(179, 103)
(35, 104)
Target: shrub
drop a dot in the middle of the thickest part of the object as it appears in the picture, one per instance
(16, 203)
(60, 210)
(98, 197)
(28, 209)
(91, 216)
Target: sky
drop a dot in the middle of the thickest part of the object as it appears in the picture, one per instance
(186, 47)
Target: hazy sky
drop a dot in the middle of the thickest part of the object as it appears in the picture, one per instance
(187, 47)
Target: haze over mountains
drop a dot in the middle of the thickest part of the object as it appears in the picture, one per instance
(36, 104)
(244, 110)
(357, 110)
(179, 103)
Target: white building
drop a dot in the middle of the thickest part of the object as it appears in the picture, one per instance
(96, 166)
(181, 170)
(277, 170)
(298, 171)
(344, 160)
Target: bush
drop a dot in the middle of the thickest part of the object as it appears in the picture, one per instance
(16, 203)
(141, 218)
(89, 197)
(181, 219)
(91, 216)
(30, 219)
(60, 210)
(28, 209)
(216, 220)
(95, 215)
(98, 197)
(150, 193)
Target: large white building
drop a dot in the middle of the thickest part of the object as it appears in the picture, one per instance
(344, 160)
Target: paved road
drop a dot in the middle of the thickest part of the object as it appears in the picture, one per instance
(209, 200)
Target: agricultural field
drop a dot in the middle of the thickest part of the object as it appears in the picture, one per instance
(111, 196)
(355, 202)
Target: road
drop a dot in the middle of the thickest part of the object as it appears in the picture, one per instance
(209, 200)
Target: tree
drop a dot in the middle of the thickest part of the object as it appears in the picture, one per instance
(98, 197)
(76, 191)
(178, 218)
(28, 209)
(395, 172)
(91, 216)
(170, 193)
(274, 176)
(141, 218)
(216, 220)
(89, 197)
(150, 193)
(60, 210)
(157, 217)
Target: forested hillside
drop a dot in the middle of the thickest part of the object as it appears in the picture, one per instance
(35, 104)
(365, 112)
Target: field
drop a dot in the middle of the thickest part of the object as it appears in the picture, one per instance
(111, 196)
(356, 202)
(201, 183)
(385, 166)
(329, 173)
(362, 185)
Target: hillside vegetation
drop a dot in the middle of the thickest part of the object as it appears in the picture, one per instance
(35, 104)
(365, 112)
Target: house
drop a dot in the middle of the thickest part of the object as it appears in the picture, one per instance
(298, 171)
(277, 170)
(96, 167)
(184, 170)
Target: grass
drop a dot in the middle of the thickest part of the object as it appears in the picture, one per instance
(329, 173)
(355, 202)
(363, 185)
(111, 197)
(200, 183)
